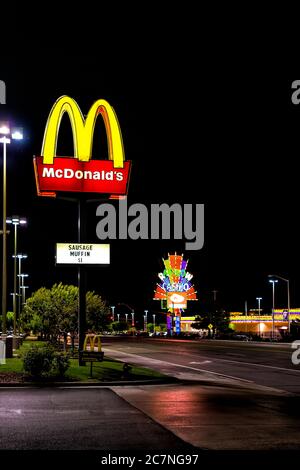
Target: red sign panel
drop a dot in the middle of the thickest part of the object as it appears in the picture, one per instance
(71, 175)
(177, 300)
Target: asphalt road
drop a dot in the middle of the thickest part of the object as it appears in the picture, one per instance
(77, 419)
(230, 396)
(268, 365)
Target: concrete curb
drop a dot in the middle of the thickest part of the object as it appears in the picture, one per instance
(115, 383)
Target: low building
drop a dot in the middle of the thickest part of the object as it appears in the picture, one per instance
(261, 325)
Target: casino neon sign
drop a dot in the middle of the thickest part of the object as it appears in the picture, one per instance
(81, 173)
(175, 287)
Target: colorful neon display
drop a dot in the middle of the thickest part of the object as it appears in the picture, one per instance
(80, 173)
(175, 288)
(175, 279)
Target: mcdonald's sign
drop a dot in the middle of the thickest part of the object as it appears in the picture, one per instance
(80, 173)
(91, 341)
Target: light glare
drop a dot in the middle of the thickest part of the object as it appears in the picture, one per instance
(17, 135)
(4, 129)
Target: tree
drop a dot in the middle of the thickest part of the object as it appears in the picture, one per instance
(158, 328)
(119, 326)
(9, 319)
(39, 314)
(65, 302)
(97, 312)
(218, 318)
(53, 312)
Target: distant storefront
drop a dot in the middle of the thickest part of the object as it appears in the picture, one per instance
(261, 325)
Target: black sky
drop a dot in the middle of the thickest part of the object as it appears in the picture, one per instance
(195, 135)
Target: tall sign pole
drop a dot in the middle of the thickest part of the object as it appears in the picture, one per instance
(81, 280)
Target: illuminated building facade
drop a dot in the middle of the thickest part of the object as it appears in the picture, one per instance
(260, 325)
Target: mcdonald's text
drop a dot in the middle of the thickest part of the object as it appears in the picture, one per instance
(72, 175)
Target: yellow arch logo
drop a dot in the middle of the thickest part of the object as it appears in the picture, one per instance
(92, 340)
(83, 131)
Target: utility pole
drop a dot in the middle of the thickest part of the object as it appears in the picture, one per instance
(215, 295)
(81, 280)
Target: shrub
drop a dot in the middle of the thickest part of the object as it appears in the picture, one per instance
(61, 363)
(42, 362)
(37, 361)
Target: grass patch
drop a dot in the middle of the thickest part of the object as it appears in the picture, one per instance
(12, 365)
(28, 343)
(109, 370)
(15, 364)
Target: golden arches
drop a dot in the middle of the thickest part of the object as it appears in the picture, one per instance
(92, 340)
(83, 130)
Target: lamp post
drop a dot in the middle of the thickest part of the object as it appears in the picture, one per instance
(21, 277)
(20, 256)
(153, 323)
(118, 315)
(145, 320)
(288, 296)
(126, 318)
(113, 312)
(22, 287)
(23, 294)
(6, 134)
(259, 300)
(132, 318)
(15, 221)
(273, 281)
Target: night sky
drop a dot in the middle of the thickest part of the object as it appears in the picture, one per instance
(228, 140)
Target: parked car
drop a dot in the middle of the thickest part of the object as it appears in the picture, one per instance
(242, 337)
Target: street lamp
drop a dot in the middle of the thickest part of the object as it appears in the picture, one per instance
(15, 221)
(288, 296)
(145, 320)
(132, 318)
(20, 256)
(23, 293)
(126, 317)
(118, 315)
(113, 312)
(22, 287)
(259, 300)
(153, 323)
(273, 281)
(6, 134)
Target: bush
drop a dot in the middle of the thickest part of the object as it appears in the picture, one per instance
(42, 362)
(37, 361)
(61, 363)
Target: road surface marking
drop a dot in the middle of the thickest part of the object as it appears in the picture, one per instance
(177, 365)
(259, 365)
(202, 362)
